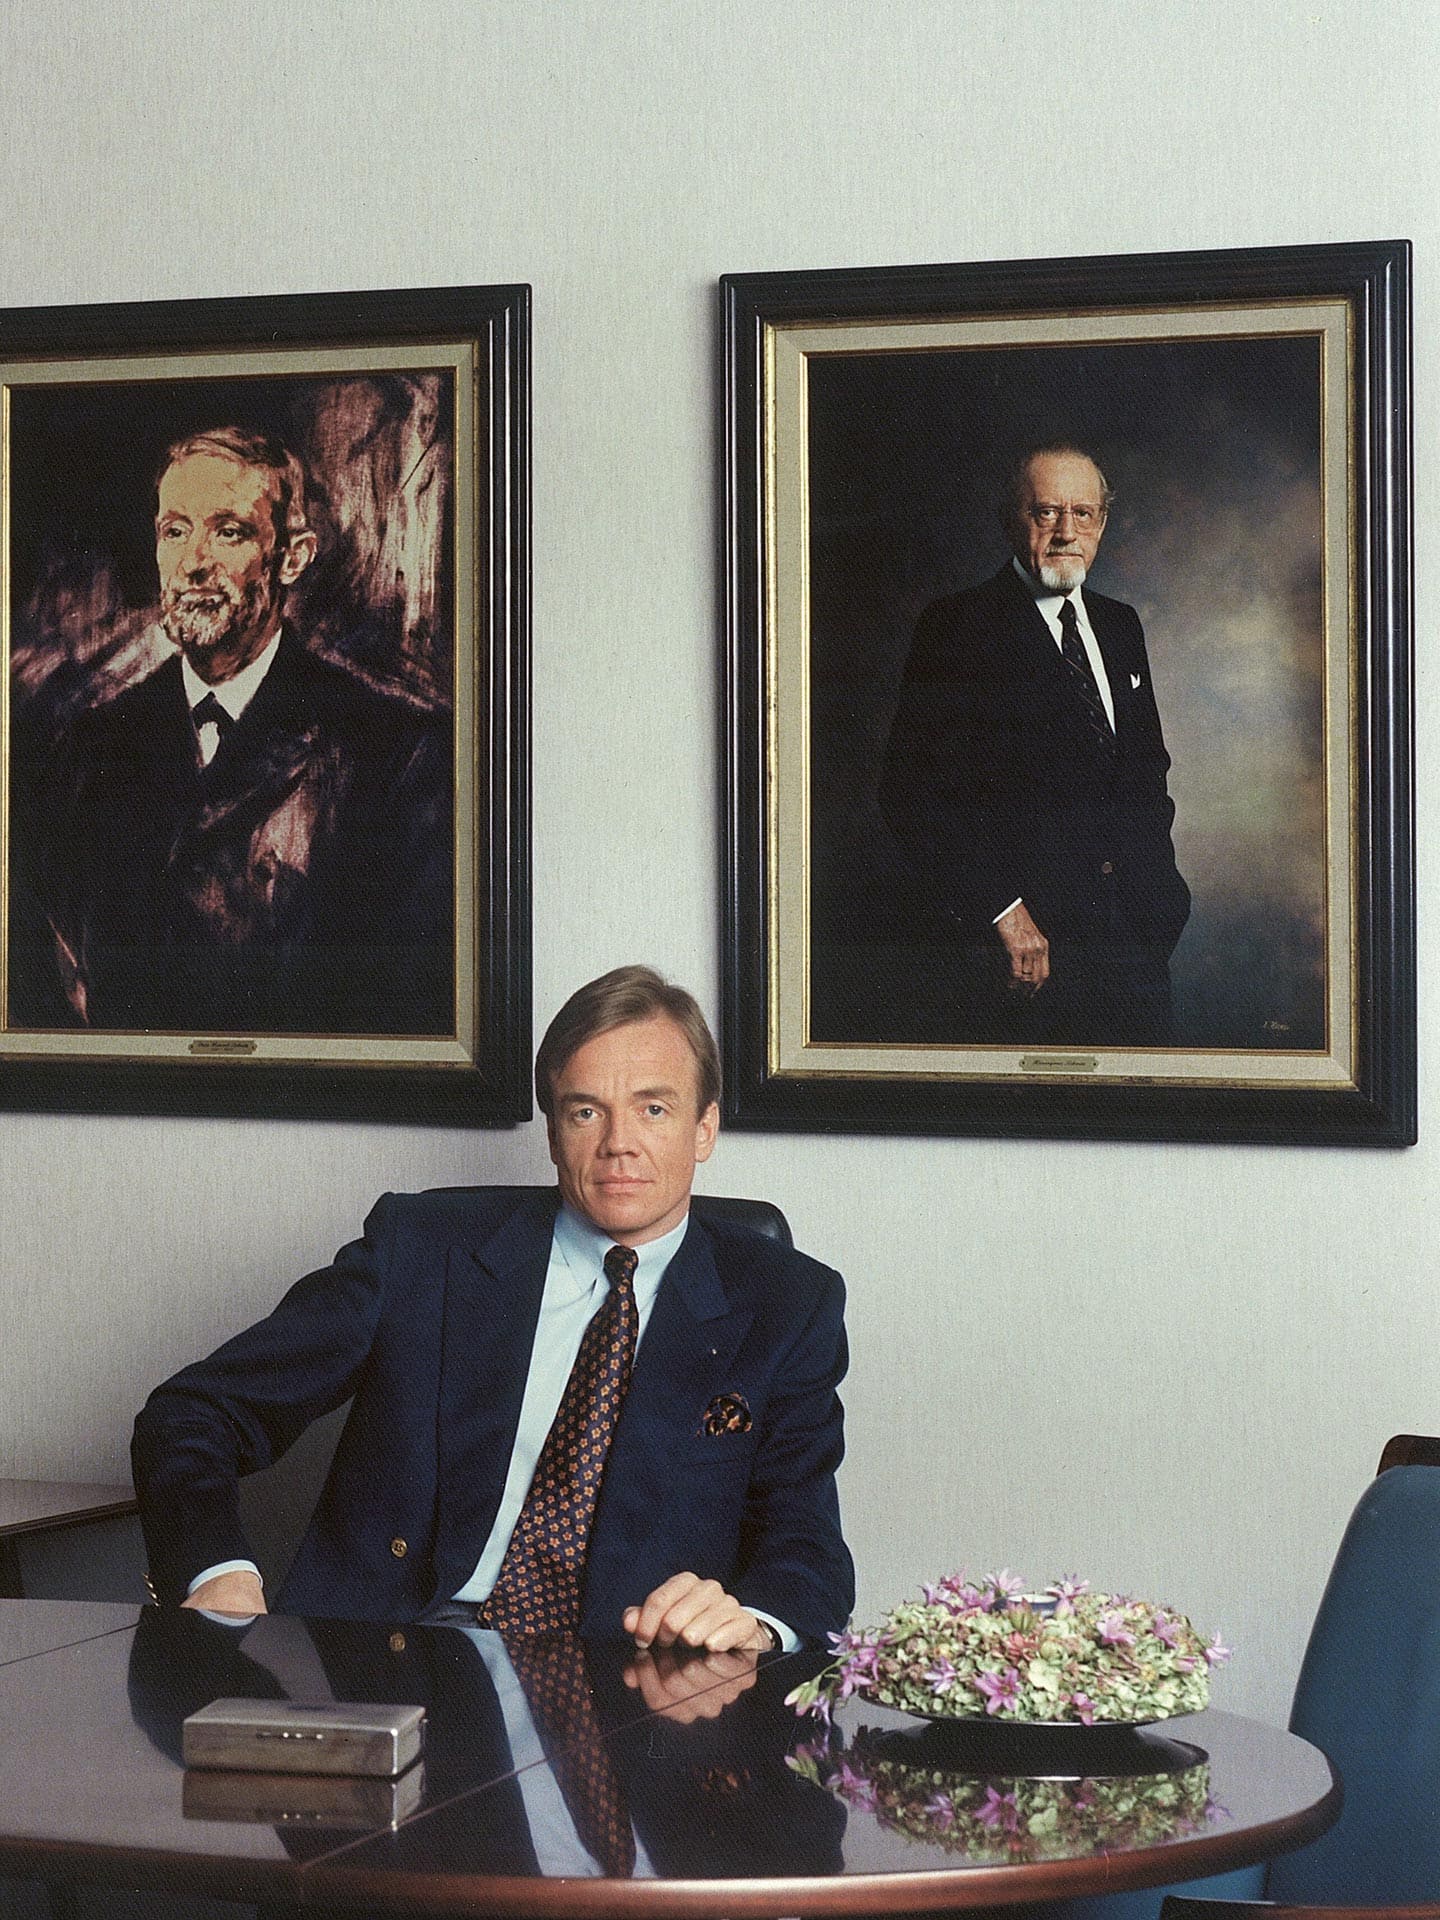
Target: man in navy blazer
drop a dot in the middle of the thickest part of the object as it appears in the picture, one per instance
(1026, 779)
(717, 1523)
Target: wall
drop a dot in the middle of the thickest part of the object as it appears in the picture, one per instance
(1171, 1368)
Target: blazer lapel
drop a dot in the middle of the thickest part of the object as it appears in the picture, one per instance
(492, 1305)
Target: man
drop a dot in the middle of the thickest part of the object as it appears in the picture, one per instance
(462, 1322)
(1026, 778)
(250, 838)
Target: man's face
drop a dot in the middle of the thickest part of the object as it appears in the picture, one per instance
(625, 1134)
(1055, 526)
(223, 568)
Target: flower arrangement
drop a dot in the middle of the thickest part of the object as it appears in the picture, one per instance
(989, 1819)
(989, 1650)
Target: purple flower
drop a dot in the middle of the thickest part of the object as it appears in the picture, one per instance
(1084, 1706)
(941, 1676)
(1216, 1653)
(1004, 1585)
(941, 1810)
(854, 1787)
(998, 1810)
(1067, 1592)
(1166, 1630)
(1113, 1631)
(1001, 1690)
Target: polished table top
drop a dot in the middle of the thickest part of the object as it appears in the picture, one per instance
(731, 1804)
(35, 1506)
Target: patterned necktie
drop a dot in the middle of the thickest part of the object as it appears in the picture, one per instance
(1072, 650)
(538, 1587)
(551, 1669)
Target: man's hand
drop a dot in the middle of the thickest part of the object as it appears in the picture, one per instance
(1026, 945)
(686, 1687)
(235, 1592)
(690, 1612)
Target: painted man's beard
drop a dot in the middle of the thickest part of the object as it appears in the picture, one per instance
(202, 620)
(1062, 573)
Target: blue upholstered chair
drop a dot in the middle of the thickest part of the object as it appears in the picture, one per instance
(1369, 1696)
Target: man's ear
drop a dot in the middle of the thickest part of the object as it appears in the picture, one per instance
(707, 1127)
(295, 557)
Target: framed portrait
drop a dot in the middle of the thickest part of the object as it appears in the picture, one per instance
(1068, 698)
(264, 589)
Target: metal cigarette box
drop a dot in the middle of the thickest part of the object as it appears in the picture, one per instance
(285, 1736)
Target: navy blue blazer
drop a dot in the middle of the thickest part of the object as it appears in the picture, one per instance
(428, 1320)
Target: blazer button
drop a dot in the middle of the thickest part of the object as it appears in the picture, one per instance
(399, 1549)
(397, 1643)
(1107, 866)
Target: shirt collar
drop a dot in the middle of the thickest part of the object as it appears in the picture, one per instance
(236, 693)
(583, 1248)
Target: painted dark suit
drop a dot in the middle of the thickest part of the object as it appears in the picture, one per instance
(998, 789)
(300, 882)
(429, 1321)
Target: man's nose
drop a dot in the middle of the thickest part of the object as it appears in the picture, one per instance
(195, 557)
(620, 1134)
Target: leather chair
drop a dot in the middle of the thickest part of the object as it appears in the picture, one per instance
(276, 1504)
(1369, 1696)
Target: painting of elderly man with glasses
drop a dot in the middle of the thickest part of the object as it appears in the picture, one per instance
(1026, 780)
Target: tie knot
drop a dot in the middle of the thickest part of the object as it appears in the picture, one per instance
(620, 1265)
(210, 710)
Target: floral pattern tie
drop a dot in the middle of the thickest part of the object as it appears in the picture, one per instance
(538, 1587)
(552, 1671)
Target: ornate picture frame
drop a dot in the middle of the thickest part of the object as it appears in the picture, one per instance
(905, 743)
(264, 584)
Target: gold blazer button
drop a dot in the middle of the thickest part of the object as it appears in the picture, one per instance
(399, 1549)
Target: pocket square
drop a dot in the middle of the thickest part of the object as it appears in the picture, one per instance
(1134, 682)
(726, 1413)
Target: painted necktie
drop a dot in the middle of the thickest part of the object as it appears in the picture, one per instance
(209, 713)
(1072, 651)
(538, 1587)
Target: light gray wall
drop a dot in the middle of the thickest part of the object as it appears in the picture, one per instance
(1170, 1368)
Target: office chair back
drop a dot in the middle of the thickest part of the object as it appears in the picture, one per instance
(1369, 1696)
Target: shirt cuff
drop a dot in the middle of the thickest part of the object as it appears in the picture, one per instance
(1010, 909)
(223, 1566)
(788, 1637)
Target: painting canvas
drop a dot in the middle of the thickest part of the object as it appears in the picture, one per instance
(265, 653)
(989, 874)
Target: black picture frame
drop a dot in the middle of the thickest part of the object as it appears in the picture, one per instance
(410, 412)
(867, 418)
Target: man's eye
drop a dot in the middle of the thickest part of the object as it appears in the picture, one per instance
(655, 1109)
(231, 534)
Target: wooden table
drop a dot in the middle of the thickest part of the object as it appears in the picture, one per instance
(724, 1820)
(43, 1506)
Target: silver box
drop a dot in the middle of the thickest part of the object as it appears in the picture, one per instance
(284, 1736)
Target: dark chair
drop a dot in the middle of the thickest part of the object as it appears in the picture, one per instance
(1369, 1696)
(276, 1504)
